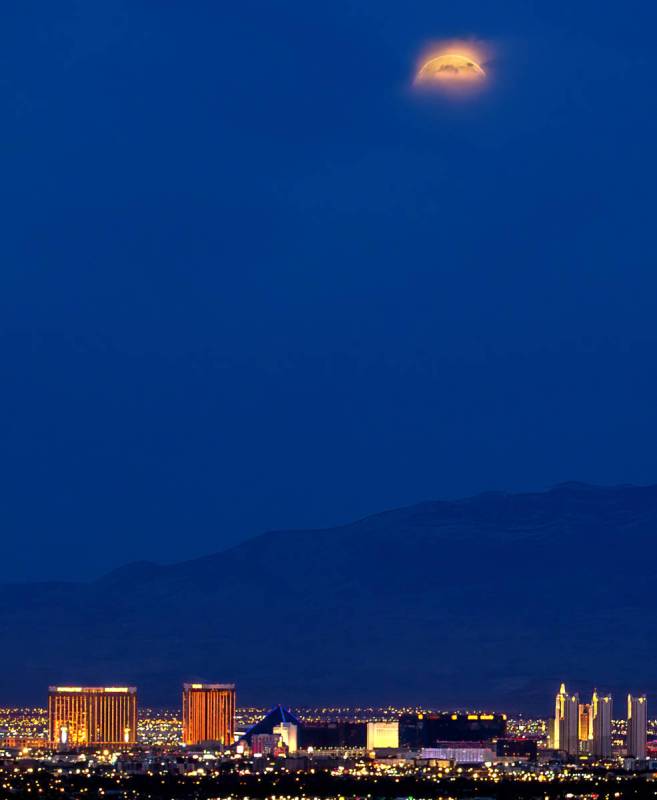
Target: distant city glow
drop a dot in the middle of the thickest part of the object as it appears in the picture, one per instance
(382, 751)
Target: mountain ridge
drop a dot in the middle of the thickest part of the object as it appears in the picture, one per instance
(486, 601)
(149, 565)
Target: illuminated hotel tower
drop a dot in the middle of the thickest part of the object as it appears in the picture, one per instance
(601, 713)
(208, 713)
(585, 727)
(566, 718)
(82, 716)
(637, 726)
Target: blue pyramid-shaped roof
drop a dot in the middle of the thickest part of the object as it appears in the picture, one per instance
(273, 718)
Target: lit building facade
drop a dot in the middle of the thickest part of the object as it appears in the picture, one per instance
(458, 753)
(84, 716)
(382, 735)
(602, 708)
(585, 727)
(208, 713)
(637, 726)
(288, 734)
(566, 720)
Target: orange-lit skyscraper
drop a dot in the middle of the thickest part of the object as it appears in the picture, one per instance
(82, 716)
(208, 713)
(585, 726)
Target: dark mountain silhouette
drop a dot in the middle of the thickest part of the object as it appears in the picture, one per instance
(489, 601)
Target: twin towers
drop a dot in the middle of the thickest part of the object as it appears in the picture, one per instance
(587, 727)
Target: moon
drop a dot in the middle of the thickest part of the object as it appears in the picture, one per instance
(450, 68)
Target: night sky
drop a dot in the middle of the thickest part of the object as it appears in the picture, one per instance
(250, 279)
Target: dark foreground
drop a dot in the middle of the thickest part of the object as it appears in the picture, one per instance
(320, 785)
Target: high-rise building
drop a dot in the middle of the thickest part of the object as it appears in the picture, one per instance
(585, 727)
(637, 726)
(208, 713)
(601, 714)
(566, 718)
(83, 716)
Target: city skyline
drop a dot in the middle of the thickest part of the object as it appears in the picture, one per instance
(380, 746)
(577, 721)
(80, 718)
(328, 462)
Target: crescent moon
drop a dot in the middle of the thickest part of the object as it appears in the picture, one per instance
(450, 67)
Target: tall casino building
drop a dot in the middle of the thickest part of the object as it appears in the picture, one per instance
(601, 719)
(566, 722)
(637, 726)
(83, 716)
(208, 713)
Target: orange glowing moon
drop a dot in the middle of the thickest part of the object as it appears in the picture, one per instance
(450, 67)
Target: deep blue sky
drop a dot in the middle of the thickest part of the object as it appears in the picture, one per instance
(250, 280)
